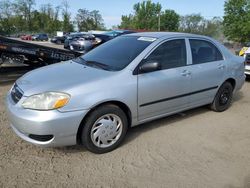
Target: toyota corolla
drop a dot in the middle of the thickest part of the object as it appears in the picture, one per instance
(130, 80)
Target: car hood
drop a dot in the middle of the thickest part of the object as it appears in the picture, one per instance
(59, 77)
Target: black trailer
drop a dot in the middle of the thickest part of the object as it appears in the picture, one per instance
(15, 51)
(18, 57)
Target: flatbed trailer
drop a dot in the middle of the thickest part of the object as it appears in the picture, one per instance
(20, 52)
(18, 57)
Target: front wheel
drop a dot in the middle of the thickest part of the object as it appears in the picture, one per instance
(223, 98)
(104, 129)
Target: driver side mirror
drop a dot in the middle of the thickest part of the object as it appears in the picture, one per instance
(149, 66)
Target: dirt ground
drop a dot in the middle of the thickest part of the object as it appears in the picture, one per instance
(197, 148)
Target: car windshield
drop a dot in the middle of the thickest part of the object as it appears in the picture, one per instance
(73, 35)
(116, 54)
(112, 33)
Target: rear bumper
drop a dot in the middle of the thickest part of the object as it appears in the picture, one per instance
(62, 126)
(240, 82)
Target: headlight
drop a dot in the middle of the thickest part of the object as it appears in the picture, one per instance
(46, 101)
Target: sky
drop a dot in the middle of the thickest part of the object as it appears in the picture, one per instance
(112, 10)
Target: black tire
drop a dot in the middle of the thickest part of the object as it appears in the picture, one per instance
(223, 98)
(89, 123)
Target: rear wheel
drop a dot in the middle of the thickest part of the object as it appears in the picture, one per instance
(104, 129)
(223, 98)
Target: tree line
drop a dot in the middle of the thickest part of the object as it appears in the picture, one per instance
(234, 25)
(150, 16)
(22, 16)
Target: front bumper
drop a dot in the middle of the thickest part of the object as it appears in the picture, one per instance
(77, 48)
(63, 126)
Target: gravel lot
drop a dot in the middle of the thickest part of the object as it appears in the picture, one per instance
(197, 148)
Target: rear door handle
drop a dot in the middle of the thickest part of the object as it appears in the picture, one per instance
(186, 73)
(221, 66)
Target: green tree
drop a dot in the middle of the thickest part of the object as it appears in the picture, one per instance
(89, 20)
(214, 28)
(46, 20)
(237, 20)
(148, 16)
(170, 21)
(197, 24)
(193, 23)
(127, 22)
(97, 20)
(7, 24)
(67, 24)
(24, 11)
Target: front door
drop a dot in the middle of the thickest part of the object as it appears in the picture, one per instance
(165, 91)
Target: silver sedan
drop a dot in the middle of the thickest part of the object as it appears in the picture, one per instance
(132, 79)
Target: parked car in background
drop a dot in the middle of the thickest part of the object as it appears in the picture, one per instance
(71, 37)
(58, 39)
(116, 33)
(84, 43)
(247, 61)
(245, 52)
(40, 37)
(127, 81)
(26, 37)
(102, 38)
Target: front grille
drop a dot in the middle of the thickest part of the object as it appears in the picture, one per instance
(16, 93)
(77, 47)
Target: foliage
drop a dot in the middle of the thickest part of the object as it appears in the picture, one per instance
(20, 16)
(170, 21)
(237, 20)
(67, 25)
(146, 16)
(197, 24)
(193, 23)
(89, 20)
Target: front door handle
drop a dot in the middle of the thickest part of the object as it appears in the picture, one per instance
(186, 73)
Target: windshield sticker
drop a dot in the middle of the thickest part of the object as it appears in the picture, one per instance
(148, 39)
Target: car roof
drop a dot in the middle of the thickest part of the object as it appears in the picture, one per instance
(164, 34)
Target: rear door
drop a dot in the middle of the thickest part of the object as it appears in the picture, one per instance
(164, 91)
(208, 70)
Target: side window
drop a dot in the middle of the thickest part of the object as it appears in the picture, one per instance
(204, 51)
(170, 54)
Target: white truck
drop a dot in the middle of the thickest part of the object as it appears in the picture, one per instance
(247, 62)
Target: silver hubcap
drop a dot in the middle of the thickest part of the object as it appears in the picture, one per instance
(106, 130)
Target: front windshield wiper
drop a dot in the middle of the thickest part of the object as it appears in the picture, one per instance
(93, 63)
(80, 60)
(98, 65)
